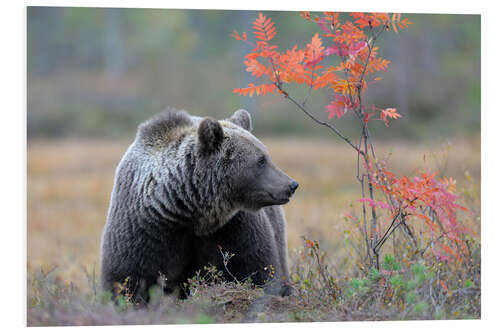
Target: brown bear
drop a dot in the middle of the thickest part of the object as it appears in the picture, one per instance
(187, 189)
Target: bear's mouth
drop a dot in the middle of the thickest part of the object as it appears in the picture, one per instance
(279, 201)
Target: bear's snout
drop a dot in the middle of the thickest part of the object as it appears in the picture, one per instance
(293, 186)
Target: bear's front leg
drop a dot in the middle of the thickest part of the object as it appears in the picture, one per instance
(140, 260)
(250, 238)
(276, 217)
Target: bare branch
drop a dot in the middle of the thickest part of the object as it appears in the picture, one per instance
(320, 122)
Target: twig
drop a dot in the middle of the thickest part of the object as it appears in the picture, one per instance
(225, 259)
(370, 49)
(320, 122)
(387, 233)
(322, 272)
(310, 88)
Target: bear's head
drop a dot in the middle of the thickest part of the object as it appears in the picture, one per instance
(253, 180)
(203, 171)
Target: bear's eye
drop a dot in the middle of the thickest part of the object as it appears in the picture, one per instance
(262, 161)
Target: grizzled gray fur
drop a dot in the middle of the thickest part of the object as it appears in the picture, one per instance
(187, 188)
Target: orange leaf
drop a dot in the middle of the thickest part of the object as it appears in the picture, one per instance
(394, 21)
(443, 285)
(306, 15)
(264, 28)
(257, 90)
(389, 113)
(235, 35)
(314, 51)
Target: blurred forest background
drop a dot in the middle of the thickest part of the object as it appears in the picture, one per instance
(99, 72)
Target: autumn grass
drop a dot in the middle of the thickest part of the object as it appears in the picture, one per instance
(69, 184)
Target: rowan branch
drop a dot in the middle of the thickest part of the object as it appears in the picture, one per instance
(320, 122)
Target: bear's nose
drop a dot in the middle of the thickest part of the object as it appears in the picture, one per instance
(293, 186)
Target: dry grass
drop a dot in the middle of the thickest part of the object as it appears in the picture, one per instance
(69, 184)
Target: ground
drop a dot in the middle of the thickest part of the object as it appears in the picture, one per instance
(69, 184)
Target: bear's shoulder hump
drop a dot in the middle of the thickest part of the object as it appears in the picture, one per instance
(163, 127)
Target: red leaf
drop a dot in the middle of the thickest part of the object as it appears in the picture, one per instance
(367, 117)
(322, 24)
(338, 107)
(354, 48)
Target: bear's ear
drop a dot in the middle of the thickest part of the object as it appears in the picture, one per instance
(242, 118)
(210, 135)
